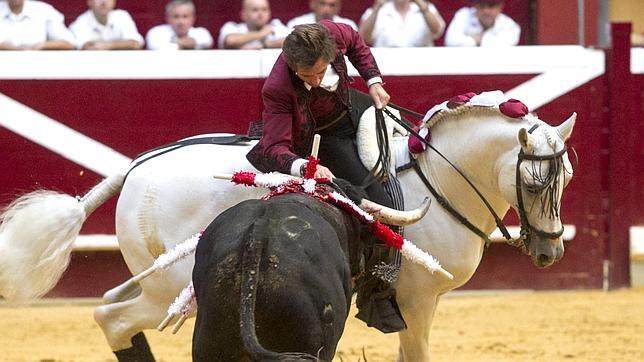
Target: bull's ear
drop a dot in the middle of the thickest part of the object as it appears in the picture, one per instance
(526, 140)
(565, 129)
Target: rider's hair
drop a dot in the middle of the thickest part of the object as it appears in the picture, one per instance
(306, 44)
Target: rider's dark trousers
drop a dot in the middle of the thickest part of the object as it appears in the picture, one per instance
(339, 152)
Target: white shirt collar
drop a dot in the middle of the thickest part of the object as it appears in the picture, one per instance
(329, 81)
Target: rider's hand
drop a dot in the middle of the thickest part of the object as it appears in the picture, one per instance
(379, 96)
(323, 172)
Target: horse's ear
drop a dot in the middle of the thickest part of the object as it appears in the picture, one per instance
(525, 140)
(565, 129)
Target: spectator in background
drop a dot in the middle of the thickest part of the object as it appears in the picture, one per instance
(256, 30)
(103, 28)
(322, 9)
(401, 23)
(483, 24)
(179, 32)
(33, 25)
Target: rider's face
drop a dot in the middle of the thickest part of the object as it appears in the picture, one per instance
(313, 75)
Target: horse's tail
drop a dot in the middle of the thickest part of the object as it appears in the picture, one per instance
(252, 256)
(37, 233)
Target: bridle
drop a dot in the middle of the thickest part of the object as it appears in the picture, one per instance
(526, 227)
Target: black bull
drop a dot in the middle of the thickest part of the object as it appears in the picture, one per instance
(272, 277)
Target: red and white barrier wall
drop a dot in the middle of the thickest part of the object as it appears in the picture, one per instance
(68, 119)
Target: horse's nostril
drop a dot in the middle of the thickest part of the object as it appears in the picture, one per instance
(543, 259)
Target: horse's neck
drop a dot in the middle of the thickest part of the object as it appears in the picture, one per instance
(475, 146)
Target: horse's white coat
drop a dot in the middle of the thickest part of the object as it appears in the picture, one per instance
(169, 198)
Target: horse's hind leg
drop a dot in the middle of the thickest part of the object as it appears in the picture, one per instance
(122, 323)
(123, 292)
(139, 352)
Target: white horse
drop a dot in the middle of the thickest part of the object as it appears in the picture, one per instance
(173, 195)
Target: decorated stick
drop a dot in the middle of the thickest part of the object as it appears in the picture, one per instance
(167, 259)
(165, 322)
(182, 319)
(267, 180)
(408, 249)
(312, 165)
(316, 145)
(383, 232)
(183, 306)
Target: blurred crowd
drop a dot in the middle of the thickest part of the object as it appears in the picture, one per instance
(37, 25)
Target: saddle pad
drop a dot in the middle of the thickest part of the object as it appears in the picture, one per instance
(367, 143)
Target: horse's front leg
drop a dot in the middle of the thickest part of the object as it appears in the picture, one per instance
(414, 341)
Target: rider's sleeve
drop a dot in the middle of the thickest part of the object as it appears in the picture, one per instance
(274, 151)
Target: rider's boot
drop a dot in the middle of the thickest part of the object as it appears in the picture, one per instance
(376, 299)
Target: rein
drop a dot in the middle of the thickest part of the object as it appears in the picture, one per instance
(526, 227)
(446, 205)
(441, 200)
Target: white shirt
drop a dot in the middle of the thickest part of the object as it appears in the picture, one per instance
(310, 19)
(392, 30)
(162, 37)
(279, 31)
(504, 32)
(38, 22)
(120, 26)
(329, 83)
(331, 80)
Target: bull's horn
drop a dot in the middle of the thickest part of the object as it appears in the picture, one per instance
(395, 217)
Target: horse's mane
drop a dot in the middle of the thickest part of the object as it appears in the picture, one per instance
(466, 109)
(452, 114)
(548, 177)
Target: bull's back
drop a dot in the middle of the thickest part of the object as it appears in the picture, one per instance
(304, 280)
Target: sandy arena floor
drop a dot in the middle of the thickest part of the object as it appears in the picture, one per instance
(540, 326)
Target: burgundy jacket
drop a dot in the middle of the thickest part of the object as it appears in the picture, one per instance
(288, 123)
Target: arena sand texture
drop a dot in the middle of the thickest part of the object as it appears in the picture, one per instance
(517, 326)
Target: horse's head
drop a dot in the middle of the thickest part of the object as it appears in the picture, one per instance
(542, 171)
